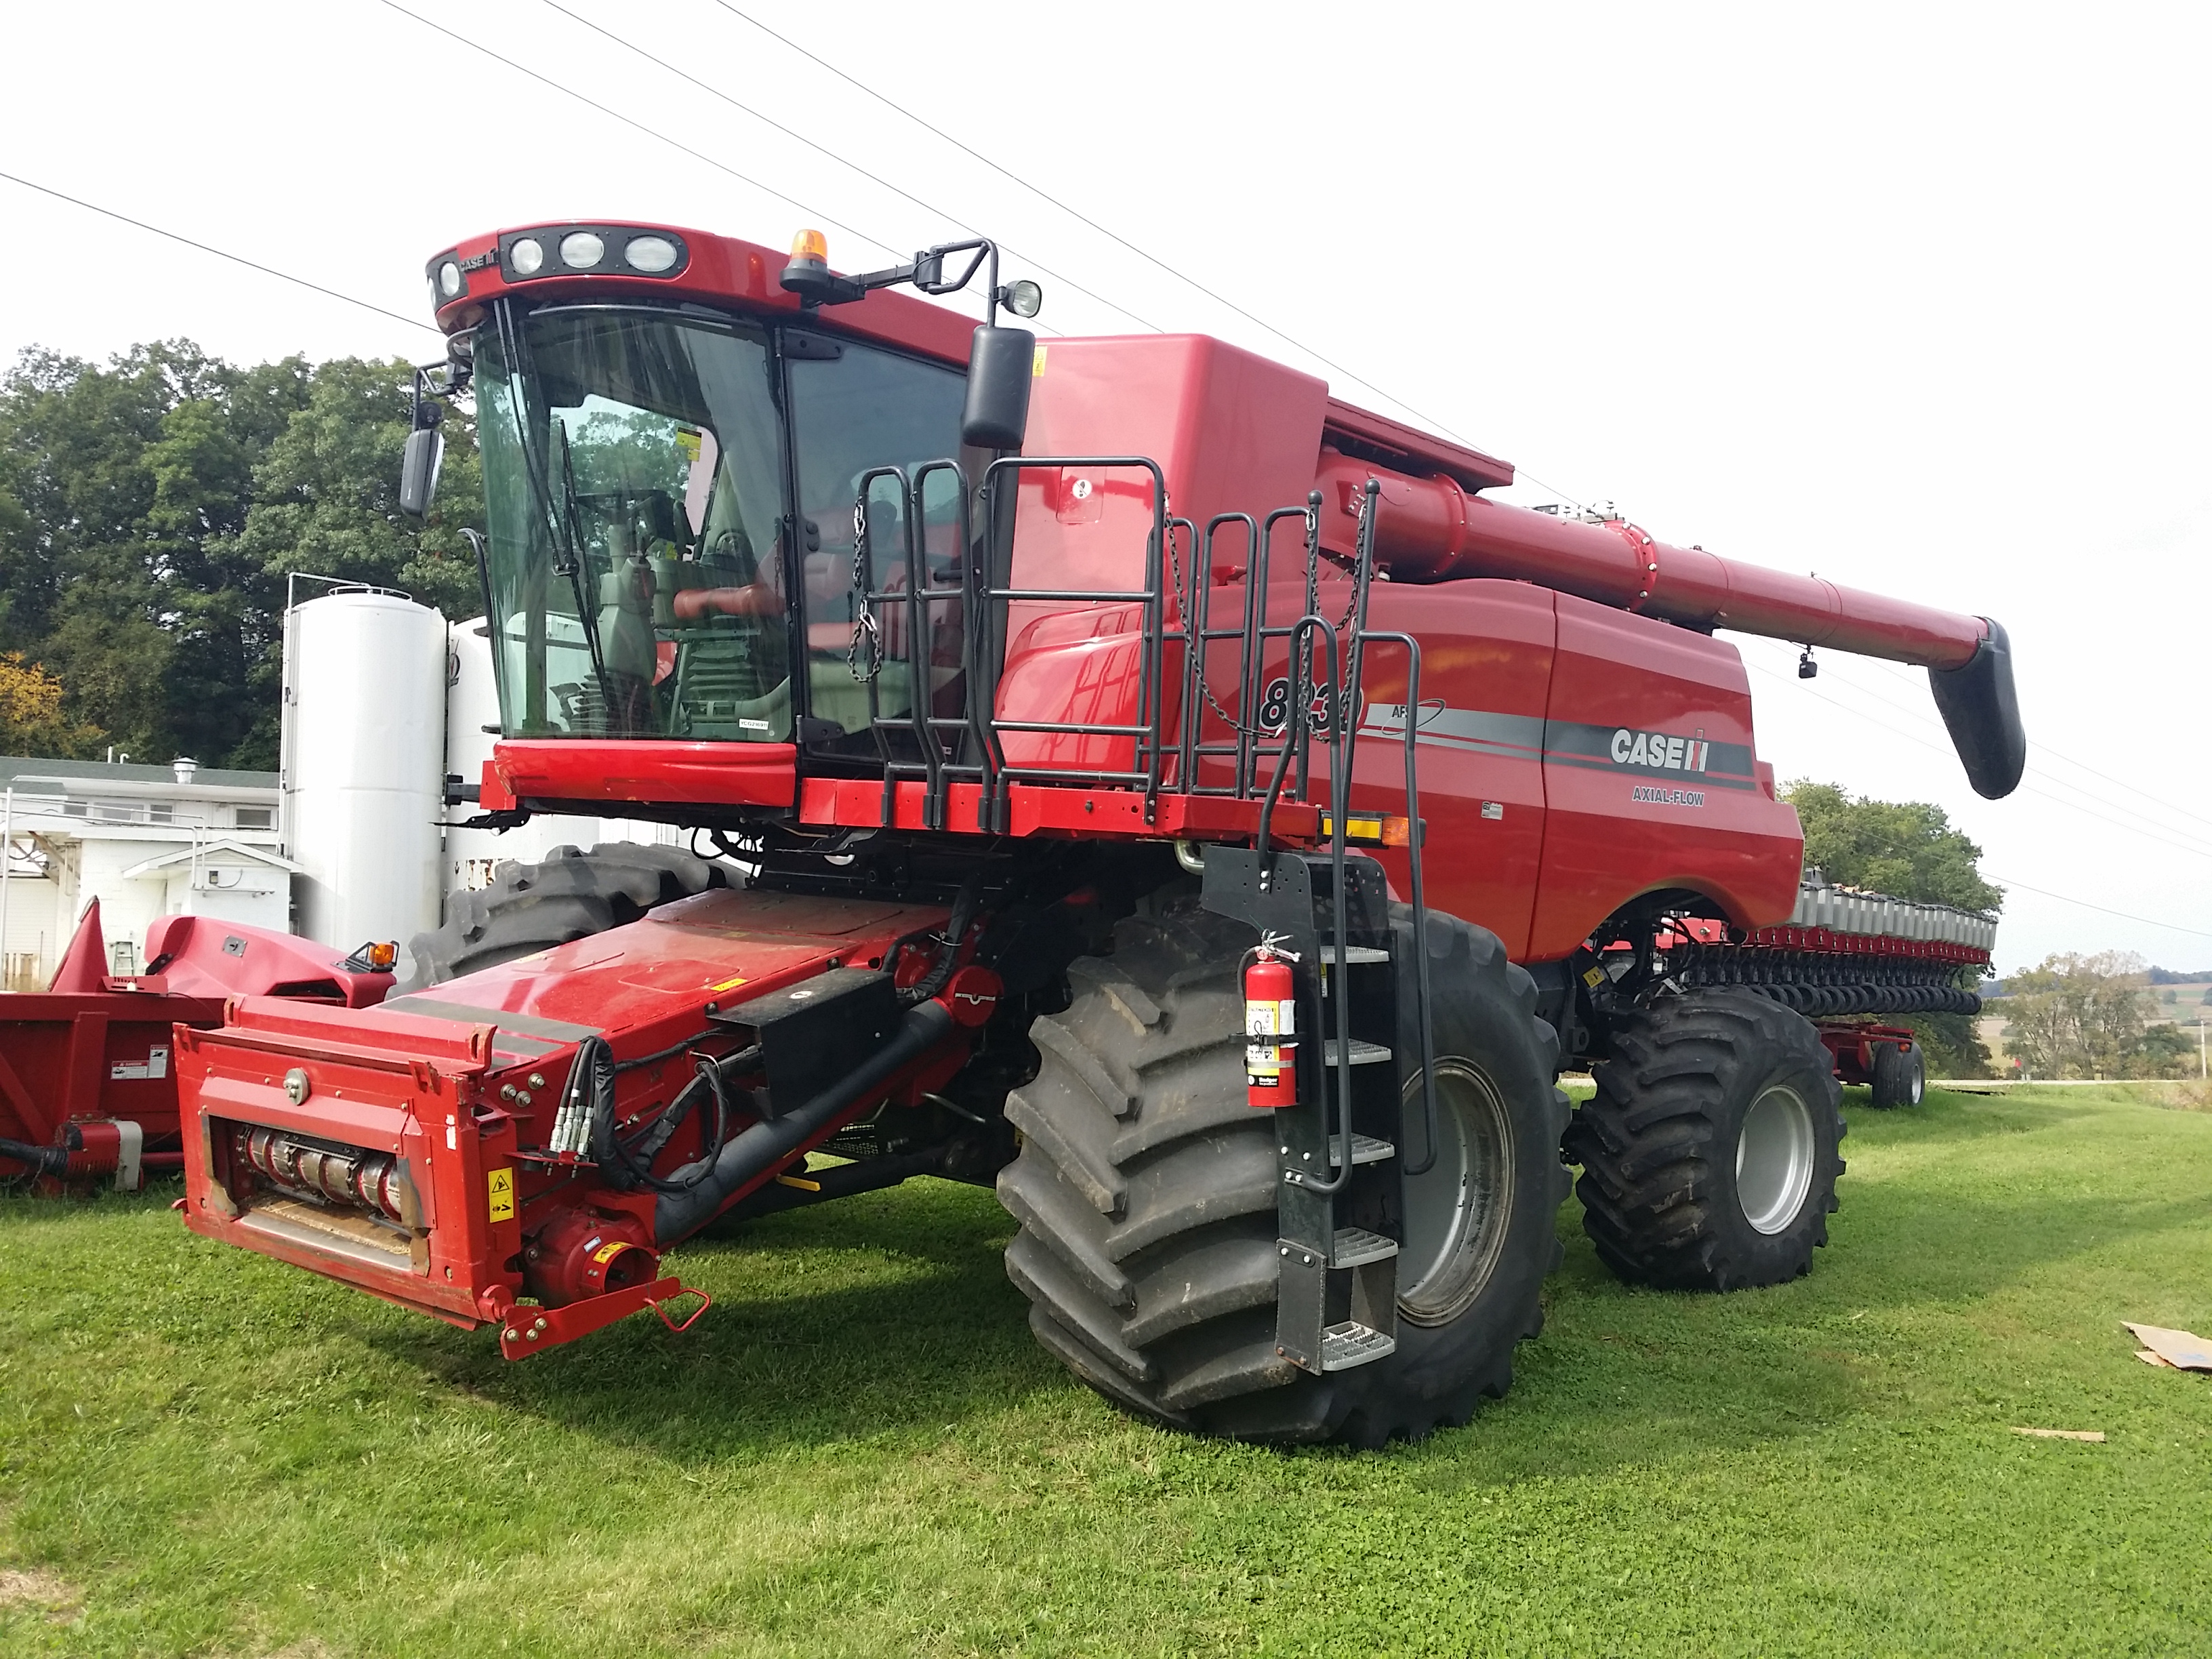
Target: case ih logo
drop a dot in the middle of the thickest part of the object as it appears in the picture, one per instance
(1656, 748)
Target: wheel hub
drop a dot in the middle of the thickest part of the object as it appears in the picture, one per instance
(1457, 1209)
(1774, 1157)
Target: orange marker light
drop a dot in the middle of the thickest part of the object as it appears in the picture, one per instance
(383, 954)
(811, 245)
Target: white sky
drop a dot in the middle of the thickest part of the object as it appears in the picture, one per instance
(1909, 295)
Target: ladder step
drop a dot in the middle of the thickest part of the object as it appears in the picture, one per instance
(1355, 956)
(1363, 1053)
(1343, 1347)
(1355, 1247)
(1365, 1149)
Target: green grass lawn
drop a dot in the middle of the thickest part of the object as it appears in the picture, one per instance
(859, 1450)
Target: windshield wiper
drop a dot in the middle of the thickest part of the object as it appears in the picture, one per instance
(571, 565)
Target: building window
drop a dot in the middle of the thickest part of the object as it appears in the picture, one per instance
(254, 817)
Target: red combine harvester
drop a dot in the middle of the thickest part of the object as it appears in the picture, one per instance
(1068, 735)
(87, 1085)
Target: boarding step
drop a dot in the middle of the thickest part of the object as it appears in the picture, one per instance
(1355, 1247)
(1355, 956)
(1350, 1343)
(1365, 1149)
(1363, 1053)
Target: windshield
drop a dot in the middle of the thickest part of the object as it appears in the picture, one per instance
(633, 466)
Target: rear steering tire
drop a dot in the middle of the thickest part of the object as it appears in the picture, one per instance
(1710, 1151)
(1900, 1075)
(1145, 1190)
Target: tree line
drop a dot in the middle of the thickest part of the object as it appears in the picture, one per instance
(151, 508)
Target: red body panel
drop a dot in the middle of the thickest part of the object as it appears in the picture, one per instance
(455, 1079)
(1704, 820)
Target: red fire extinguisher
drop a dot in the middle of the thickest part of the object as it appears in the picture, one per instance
(1270, 1023)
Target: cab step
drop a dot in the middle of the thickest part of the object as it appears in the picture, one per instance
(1350, 1343)
(1355, 1247)
(1363, 1053)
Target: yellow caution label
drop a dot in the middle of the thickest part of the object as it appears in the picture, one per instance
(502, 1194)
(607, 1252)
(1036, 365)
(1594, 978)
(688, 442)
(1356, 827)
(728, 984)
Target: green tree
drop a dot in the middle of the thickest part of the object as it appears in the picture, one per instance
(1907, 849)
(2087, 1017)
(151, 507)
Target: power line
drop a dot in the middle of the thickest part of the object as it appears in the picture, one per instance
(2126, 916)
(823, 150)
(2045, 749)
(2037, 771)
(219, 253)
(1117, 237)
(640, 126)
(2202, 852)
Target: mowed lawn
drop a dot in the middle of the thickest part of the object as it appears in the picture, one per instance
(860, 1449)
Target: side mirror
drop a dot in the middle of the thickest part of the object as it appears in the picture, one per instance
(1001, 364)
(418, 469)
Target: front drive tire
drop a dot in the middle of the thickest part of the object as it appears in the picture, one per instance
(1710, 1151)
(1145, 1191)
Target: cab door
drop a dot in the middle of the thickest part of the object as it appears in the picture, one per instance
(851, 408)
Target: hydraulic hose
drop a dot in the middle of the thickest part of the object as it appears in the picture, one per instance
(766, 1144)
(37, 1160)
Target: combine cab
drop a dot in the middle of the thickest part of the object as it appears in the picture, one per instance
(1113, 770)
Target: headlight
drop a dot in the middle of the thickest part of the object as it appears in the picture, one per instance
(647, 253)
(449, 279)
(527, 256)
(581, 250)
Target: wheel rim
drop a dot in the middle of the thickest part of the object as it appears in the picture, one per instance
(1916, 1078)
(1774, 1159)
(1455, 1210)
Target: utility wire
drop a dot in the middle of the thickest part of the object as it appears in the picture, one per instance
(2126, 916)
(823, 150)
(1922, 715)
(640, 126)
(2202, 852)
(1151, 258)
(2106, 777)
(219, 253)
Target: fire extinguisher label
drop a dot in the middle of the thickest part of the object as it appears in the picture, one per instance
(1270, 1019)
(502, 1194)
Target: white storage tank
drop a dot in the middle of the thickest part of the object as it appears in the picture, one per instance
(364, 740)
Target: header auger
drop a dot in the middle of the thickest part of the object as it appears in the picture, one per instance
(1023, 702)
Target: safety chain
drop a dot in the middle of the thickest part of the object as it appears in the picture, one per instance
(867, 638)
(1190, 625)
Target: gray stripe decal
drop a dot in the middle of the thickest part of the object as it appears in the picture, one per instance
(560, 1030)
(1557, 742)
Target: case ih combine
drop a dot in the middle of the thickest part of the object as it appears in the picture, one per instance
(1161, 789)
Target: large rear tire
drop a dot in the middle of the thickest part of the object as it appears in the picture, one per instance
(570, 895)
(1709, 1152)
(1146, 1189)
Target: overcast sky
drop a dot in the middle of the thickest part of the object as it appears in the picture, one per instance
(1913, 296)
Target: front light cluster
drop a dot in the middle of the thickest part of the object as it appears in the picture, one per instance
(610, 249)
(569, 250)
